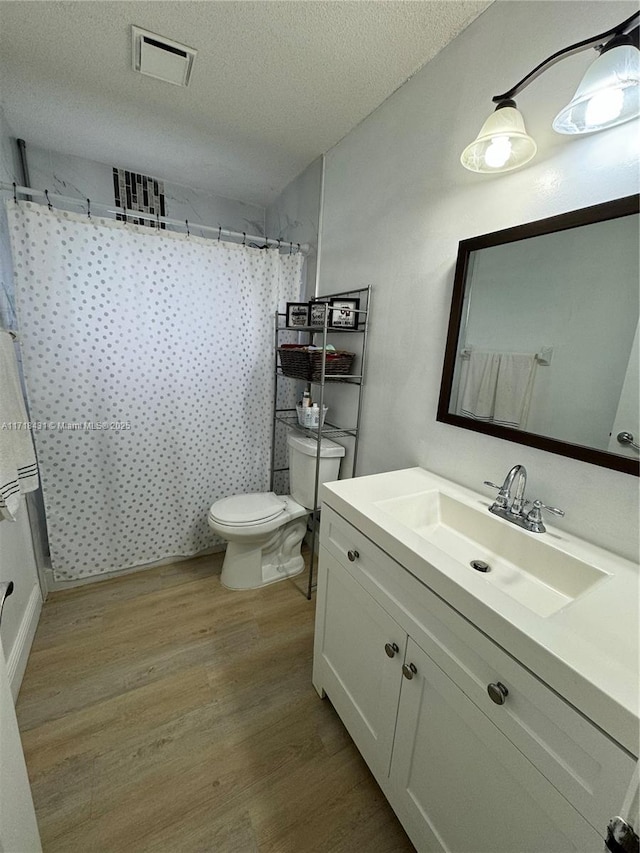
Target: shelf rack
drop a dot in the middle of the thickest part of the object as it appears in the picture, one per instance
(288, 417)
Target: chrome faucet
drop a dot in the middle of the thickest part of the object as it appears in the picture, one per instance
(505, 504)
(511, 507)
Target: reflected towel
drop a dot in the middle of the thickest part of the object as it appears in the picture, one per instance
(513, 389)
(497, 387)
(18, 468)
(479, 391)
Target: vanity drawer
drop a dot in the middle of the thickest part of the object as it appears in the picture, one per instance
(366, 561)
(591, 770)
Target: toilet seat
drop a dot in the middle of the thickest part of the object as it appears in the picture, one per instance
(247, 510)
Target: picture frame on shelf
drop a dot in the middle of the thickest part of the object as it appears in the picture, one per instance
(316, 314)
(344, 313)
(297, 315)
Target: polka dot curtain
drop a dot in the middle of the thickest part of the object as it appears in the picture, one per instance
(148, 360)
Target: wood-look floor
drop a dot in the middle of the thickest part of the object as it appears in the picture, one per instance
(162, 712)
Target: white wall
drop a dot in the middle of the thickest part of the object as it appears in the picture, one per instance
(295, 215)
(9, 171)
(397, 202)
(17, 561)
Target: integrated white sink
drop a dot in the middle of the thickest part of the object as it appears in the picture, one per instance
(557, 603)
(526, 566)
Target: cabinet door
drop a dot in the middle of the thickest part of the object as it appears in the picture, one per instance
(459, 785)
(351, 664)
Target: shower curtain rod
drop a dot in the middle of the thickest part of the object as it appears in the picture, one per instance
(88, 205)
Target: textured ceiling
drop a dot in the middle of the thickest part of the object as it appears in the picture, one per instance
(275, 84)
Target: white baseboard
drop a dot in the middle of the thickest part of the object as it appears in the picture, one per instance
(17, 662)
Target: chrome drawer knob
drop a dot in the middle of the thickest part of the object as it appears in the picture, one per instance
(497, 692)
(409, 670)
(353, 556)
(391, 649)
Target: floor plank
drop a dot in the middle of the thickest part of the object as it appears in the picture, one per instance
(162, 712)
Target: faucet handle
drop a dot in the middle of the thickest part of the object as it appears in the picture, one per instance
(493, 485)
(502, 498)
(552, 509)
(534, 521)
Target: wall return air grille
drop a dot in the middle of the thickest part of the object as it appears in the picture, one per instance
(159, 57)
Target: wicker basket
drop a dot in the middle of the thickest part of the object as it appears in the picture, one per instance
(300, 363)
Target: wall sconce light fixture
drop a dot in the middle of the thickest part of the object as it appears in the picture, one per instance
(609, 94)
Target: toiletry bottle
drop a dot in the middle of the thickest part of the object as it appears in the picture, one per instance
(306, 399)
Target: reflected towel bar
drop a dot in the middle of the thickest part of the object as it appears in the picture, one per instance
(543, 356)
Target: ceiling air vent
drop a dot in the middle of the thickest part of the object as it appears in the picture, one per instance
(162, 58)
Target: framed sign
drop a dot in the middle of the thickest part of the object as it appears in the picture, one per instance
(297, 315)
(344, 313)
(317, 311)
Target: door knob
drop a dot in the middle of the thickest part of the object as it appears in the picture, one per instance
(626, 438)
(497, 692)
(6, 588)
(391, 649)
(409, 670)
(620, 837)
(353, 555)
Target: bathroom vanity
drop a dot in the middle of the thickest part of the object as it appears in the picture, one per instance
(498, 710)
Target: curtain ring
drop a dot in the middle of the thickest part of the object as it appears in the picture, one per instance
(158, 221)
(244, 238)
(49, 205)
(219, 233)
(89, 208)
(290, 248)
(298, 248)
(15, 190)
(124, 207)
(186, 222)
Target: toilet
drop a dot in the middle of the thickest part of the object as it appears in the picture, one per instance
(264, 531)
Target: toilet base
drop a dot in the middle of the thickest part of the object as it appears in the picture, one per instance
(253, 564)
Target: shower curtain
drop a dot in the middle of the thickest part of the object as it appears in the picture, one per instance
(148, 359)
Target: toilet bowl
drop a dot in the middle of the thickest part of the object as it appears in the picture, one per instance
(264, 531)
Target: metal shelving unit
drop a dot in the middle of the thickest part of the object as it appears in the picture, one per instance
(288, 417)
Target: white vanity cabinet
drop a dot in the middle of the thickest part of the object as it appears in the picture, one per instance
(408, 676)
(360, 665)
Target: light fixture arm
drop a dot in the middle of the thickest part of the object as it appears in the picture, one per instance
(595, 41)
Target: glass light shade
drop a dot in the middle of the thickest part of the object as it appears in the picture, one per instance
(503, 144)
(609, 93)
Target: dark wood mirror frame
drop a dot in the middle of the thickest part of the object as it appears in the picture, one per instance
(586, 216)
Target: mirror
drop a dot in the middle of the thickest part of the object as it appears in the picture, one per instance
(542, 346)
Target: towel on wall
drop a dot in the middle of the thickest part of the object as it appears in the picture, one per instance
(18, 467)
(497, 387)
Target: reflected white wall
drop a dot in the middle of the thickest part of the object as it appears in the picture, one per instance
(577, 292)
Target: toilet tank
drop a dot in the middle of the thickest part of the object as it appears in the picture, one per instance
(302, 466)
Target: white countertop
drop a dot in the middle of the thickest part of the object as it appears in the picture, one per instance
(587, 651)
